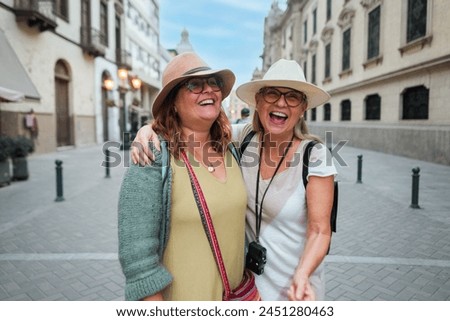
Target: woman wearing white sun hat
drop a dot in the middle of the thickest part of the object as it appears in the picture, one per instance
(292, 224)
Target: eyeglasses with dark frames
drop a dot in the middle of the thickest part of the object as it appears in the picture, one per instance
(197, 85)
(293, 98)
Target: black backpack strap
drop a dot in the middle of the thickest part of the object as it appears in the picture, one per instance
(245, 142)
(335, 207)
(306, 154)
(333, 217)
(235, 152)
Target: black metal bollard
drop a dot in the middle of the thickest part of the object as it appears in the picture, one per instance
(59, 181)
(107, 163)
(358, 180)
(415, 188)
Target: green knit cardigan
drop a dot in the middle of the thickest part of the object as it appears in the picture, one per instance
(144, 216)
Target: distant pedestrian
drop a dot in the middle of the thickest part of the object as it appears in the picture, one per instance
(245, 116)
(31, 124)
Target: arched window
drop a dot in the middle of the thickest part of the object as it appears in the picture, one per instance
(346, 110)
(415, 103)
(373, 107)
(327, 112)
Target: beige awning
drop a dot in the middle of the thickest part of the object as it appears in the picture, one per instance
(10, 95)
(15, 84)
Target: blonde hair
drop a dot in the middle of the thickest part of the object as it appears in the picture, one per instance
(301, 130)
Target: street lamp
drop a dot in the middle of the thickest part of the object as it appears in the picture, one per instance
(135, 83)
(108, 83)
(125, 81)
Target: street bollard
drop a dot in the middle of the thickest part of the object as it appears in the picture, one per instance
(358, 180)
(59, 181)
(415, 188)
(107, 163)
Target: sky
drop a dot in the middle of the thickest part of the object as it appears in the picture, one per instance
(225, 33)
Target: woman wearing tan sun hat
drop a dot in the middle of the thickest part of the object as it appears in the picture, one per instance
(163, 248)
(290, 222)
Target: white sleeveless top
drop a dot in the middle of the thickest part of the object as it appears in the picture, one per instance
(284, 218)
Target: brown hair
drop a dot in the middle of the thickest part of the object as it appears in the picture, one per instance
(168, 125)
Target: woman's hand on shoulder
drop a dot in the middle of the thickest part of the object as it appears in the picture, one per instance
(140, 153)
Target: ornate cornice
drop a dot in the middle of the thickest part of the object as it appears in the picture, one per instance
(313, 44)
(346, 16)
(327, 32)
(369, 4)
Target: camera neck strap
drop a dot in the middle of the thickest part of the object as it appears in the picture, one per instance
(259, 206)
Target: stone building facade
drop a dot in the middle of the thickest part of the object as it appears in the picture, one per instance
(386, 65)
(68, 55)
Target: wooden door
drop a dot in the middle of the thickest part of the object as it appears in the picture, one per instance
(63, 128)
(62, 108)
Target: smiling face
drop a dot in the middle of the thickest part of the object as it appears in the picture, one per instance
(198, 109)
(276, 115)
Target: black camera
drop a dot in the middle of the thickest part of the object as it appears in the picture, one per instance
(256, 258)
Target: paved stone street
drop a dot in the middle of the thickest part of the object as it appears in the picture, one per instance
(384, 249)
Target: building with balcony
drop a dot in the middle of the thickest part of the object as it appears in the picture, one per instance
(89, 69)
(386, 65)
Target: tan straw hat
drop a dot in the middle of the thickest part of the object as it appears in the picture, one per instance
(188, 65)
(284, 73)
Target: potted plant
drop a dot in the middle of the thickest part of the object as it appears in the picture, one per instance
(22, 146)
(6, 146)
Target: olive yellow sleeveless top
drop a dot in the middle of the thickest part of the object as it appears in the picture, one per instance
(188, 255)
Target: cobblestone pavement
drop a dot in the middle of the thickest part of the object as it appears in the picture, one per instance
(384, 249)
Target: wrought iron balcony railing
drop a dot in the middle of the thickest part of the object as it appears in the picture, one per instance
(123, 59)
(39, 13)
(92, 41)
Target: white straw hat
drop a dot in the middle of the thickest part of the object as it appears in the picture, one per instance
(284, 73)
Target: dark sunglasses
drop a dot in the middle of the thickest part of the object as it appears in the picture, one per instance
(197, 85)
(293, 98)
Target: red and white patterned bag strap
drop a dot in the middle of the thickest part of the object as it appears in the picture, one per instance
(207, 224)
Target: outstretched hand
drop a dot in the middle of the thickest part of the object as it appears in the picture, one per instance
(140, 153)
(301, 289)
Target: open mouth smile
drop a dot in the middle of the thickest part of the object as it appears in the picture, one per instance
(206, 102)
(278, 117)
